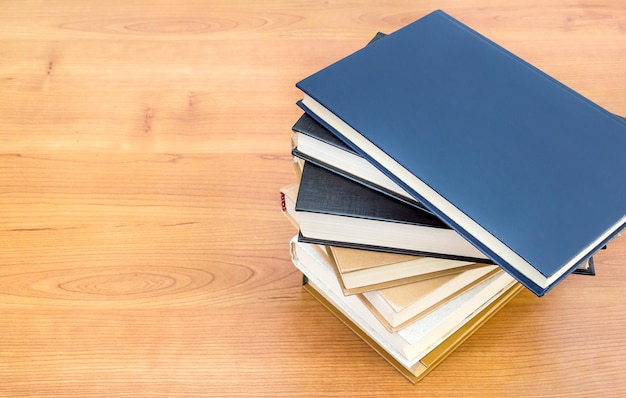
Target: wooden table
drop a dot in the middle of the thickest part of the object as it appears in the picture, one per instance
(143, 252)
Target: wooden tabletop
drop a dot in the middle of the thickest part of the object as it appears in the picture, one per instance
(143, 252)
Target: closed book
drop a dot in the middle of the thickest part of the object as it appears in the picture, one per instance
(332, 208)
(398, 306)
(362, 271)
(412, 349)
(366, 270)
(315, 144)
(486, 141)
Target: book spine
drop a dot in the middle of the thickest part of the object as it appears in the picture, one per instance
(283, 202)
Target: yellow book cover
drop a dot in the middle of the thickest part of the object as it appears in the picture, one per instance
(398, 306)
(361, 271)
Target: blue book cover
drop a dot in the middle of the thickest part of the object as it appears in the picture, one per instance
(525, 168)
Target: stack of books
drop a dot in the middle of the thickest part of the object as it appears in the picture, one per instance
(437, 176)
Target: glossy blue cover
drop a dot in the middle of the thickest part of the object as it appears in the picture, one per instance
(534, 163)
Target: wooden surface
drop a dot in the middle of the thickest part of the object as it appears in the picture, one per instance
(142, 248)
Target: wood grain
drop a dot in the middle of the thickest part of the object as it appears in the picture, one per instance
(142, 248)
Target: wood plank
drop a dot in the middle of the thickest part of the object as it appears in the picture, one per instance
(142, 247)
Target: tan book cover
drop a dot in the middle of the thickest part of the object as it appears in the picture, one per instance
(398, 306)
(361, 271)
(427, 363)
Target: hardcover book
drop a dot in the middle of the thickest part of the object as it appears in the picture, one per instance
(361, 271)
(314, 143)
(332, 208)
(410, 348)
(486, 141)
(398, 306)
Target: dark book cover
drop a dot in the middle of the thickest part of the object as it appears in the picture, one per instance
(386, 249)
(323, 191)
(308, 126)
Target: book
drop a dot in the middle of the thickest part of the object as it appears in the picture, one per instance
(365, 270)
(361, 271)
(486, 141)
(416, 349)
(342, 212)
(398, 306)
(314, 143)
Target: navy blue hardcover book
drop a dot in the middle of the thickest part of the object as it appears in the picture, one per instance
(525, 168)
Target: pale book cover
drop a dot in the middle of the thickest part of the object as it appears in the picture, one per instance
(350, 260)
(361, 271)
(399, 306)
